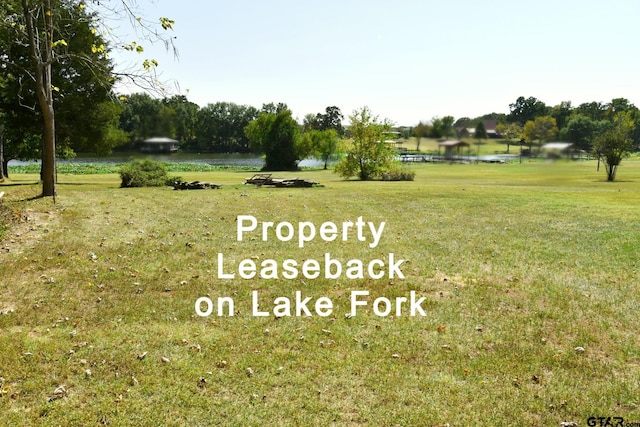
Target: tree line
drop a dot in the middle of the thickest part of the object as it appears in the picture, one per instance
(530, 120)
(57, 98)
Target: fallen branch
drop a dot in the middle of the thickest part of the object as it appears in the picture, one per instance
(195, 185)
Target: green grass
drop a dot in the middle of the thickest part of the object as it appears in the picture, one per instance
(520, 264)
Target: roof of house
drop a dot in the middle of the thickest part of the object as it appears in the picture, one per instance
(453, 143)
(556, 146)
(490, 125)
(159, 140)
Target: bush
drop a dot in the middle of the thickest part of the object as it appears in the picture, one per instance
(398, 174)
(144, 173)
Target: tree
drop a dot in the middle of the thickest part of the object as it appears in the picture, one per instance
(45, 27)
(86, 112)
(140, 116)
(442, 127)
(481, 131)
(511, 132)
(580, 130)
(2, 171)
(220, 127)
(331, 119)
(39, 25)
(277, 135)
(323, 143)
(540, 129)
(615, 144)
(272, 108)
(526, 109)
(594, 110)
(369, 154)
(480, 134)
(618, 105)
(561, 113)
(420, 131)
(310, 122)
(185, 113)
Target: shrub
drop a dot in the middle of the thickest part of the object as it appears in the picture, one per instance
(398, 174)
(144, 173)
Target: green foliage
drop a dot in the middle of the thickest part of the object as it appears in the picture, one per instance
(220, 127)
(84, 112)
(442, 127)
(398, 173)
(481, 131)
(614, 144)
(561, 113)
(140, 117)
(331, 119)
(420, 131)
(511, 132)
(144, 173)
(322, 143)
(277, 135)
(581, 130)
(540, 129)
(526, 109)
(369, 155)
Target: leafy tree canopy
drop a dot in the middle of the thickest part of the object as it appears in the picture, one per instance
(369, 155)
(81, 81)
(540, 129)
(615, 143)
(526, 109)
(276, 134)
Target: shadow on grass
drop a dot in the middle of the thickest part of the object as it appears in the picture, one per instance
(18, 184)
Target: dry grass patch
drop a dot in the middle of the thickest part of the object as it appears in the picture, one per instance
(520, 266)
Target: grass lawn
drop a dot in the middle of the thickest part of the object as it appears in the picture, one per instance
(529, 273)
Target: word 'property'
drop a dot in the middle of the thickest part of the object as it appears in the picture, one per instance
(307, 231)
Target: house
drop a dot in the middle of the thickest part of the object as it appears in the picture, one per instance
(489, 126)
(159, 145)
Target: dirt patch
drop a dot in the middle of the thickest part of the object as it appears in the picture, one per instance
(24, 229)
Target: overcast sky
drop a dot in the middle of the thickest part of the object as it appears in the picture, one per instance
(407, 60)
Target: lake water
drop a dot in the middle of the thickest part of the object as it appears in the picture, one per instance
(250, 160)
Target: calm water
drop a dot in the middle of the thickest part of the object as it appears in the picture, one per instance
(250, 160)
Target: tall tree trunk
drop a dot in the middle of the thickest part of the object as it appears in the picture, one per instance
(40, 44)
(2, 175)
(48, 171)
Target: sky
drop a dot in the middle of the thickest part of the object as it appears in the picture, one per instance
(407, 60)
